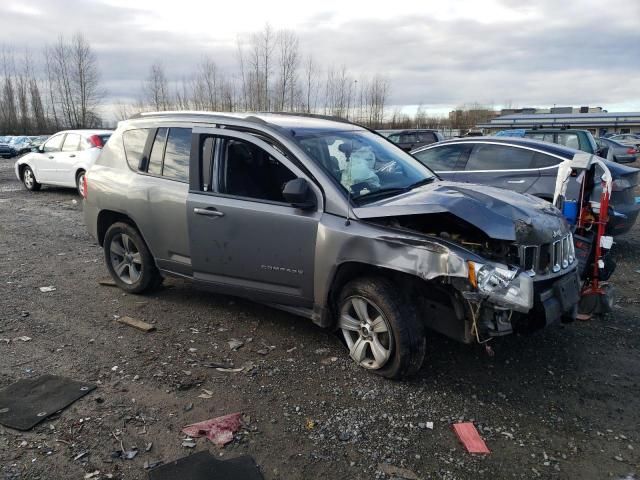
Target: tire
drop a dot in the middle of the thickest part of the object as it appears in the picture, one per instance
(80, 182)
(29, 180)
(126, 252)
(385, 308)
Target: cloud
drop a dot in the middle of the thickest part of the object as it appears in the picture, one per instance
(442, 55)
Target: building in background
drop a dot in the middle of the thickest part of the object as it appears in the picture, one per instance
(599, 122)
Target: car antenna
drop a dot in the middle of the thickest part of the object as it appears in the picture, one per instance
(347, 156)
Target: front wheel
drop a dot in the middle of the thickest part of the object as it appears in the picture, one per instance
(381, 328)
(29, 180)
(129, 260)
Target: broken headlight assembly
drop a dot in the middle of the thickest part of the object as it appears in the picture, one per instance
(502, 285)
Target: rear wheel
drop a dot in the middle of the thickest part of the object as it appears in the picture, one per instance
(29, 180)
(129, 260)
(381, 328)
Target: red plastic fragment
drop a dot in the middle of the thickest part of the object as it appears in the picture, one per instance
(219, 430)
(470, 437)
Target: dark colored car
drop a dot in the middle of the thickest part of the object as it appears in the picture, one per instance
(414, 138)
(526, 166)
(615, 151)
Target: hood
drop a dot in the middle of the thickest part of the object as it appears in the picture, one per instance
(501, 214)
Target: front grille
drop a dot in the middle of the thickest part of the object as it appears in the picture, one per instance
(548, 258)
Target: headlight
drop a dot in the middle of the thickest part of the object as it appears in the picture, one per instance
(503, 285)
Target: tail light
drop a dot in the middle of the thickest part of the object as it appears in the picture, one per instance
(631, 151)
(96, 141)
(85, 186)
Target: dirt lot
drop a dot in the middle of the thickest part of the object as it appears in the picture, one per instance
(564, 403)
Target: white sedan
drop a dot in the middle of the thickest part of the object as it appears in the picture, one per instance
(62, 160)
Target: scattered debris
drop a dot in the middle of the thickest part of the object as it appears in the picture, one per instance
(470, 437)
(230, 370)
(29, 401)
(125, 454)
(206, 395)
(107, 282)
(148, 447)
(309, 424)
(24, 314)
(328, 360)
(397, 472)
(93, 474)
(235, 344)
(135, 323)
(321, 351)
(205, 466)
(50, 288)
(23, 338)
(219, 430)
(430, 425)
(189, 442)
(147, 464)
(188, 407)
(80, 455)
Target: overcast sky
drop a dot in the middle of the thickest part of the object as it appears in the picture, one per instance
(441, 54)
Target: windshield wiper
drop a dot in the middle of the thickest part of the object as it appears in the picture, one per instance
(391, 191)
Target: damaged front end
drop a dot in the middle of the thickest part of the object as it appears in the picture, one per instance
(507, 280)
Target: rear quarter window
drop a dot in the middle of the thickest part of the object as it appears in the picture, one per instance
(134, 142)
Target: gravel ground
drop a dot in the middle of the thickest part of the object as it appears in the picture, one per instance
(563, 403)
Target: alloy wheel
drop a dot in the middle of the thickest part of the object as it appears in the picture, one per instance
(125, 258)
(366, 331)
(29, 179)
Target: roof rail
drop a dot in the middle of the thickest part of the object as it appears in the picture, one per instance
(311, 115)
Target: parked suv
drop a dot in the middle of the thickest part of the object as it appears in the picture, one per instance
(569, 137)
(331, 221)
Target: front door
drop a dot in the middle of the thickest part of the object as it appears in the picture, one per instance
(244, 237)
(46, 165)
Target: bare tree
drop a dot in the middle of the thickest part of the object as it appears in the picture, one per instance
(287, 69)
(85, 82)
(310, 84)
(156, 88)
(9, 109)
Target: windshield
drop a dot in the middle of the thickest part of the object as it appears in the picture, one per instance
(364, 163)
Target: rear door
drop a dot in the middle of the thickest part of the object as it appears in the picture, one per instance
(446, 160)
(159, 192)
(503, 166)
(244, 237)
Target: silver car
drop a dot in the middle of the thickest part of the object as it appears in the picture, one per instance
(330, 221)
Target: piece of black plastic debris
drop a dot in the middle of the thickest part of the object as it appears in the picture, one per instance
(204, 466)
(29, 401)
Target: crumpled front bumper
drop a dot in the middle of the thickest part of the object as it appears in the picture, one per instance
(554, 300)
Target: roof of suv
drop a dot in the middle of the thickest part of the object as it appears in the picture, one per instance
(291, 122)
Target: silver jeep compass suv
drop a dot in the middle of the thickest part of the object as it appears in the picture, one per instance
(330, 221)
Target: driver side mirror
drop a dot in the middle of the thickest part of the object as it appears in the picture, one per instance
(299, 194)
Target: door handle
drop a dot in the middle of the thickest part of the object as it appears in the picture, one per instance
(72, 155)
(209, 212)
(515, 181)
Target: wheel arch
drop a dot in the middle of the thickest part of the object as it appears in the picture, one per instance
(106, 218)
(350, 270)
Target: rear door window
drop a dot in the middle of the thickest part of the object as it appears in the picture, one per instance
(541, 160)
(445, 158)
(134, 142)
(177, 152)
(427, 137)
(408, 138)
(499, 157)
(157, 152)
(569, 140)
(71, 143)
